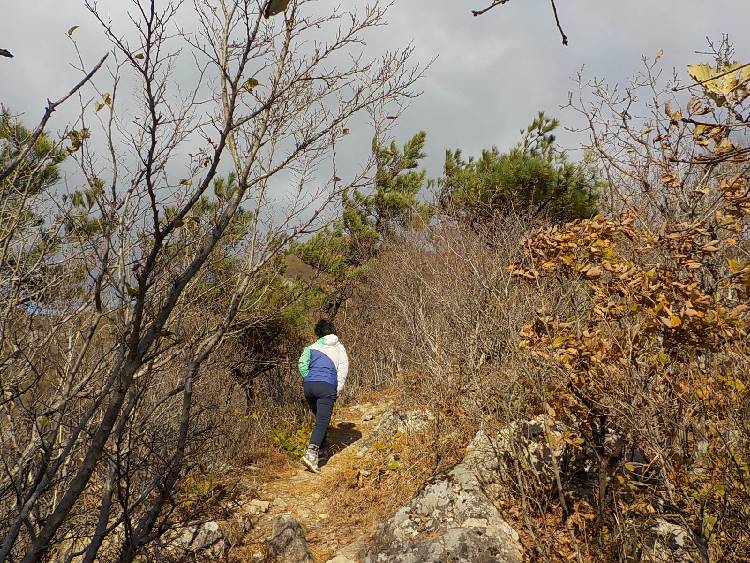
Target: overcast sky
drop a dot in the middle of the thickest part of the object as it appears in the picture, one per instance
(492, 73)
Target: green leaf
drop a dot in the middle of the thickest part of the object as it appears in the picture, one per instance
(736, 384)
(251, 83)
(72, 30)
(708, 526)
(139, 56)
(629, 466)
(132, 291)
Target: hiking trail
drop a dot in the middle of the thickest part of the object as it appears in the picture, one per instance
(302, 494)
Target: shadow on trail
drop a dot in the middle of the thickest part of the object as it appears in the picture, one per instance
(340, 436)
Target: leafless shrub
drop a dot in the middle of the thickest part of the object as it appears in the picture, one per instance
(110, 314)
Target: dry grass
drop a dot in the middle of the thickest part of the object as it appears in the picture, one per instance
(366, 490)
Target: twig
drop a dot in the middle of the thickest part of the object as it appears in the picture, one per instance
(559, 27)
(494, 4)
(497, 3)
(51, 107)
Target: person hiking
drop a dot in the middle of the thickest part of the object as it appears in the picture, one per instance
(323, 366)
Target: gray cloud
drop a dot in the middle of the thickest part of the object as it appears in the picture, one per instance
(491, 75)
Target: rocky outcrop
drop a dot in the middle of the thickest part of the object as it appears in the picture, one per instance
(258, 506)
(288, 543)
(532, 444)
(394, 422)
(352, 553)
(449, 519)
(672, 543)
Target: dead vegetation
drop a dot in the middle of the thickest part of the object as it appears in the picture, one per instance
(150, 329)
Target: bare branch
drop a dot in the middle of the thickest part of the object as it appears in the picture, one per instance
(51, 107)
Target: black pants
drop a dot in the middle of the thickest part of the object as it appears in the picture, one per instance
(320, 397)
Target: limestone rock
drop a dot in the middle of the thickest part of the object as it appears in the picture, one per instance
(258, 506)
(206, 540)
(394, 422)
(288, 543)
(352, 553)
(449, 519)
(493, 457)
(672, 543)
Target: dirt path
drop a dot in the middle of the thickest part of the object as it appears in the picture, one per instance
(302, 494)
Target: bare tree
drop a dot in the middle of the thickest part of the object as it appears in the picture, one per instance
(100, 366)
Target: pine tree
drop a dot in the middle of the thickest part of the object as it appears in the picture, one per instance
(368, 218)
(535, 176)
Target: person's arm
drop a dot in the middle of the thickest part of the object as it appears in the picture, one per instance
(342, 370)
(304, 362)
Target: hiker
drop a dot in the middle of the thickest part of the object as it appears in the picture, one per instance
(323, 367)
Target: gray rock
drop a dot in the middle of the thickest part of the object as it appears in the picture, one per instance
(394, 422)
(352, 553)
(449, 519)
(672, 543)
(258, 506)
(206, 539)
(493, 458)
(288, 543)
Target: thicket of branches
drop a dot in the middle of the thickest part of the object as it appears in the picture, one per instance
(608, 296)
(627, 331)
(117, 291)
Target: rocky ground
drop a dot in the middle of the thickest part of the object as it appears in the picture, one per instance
(302, 495)
(288, 516)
